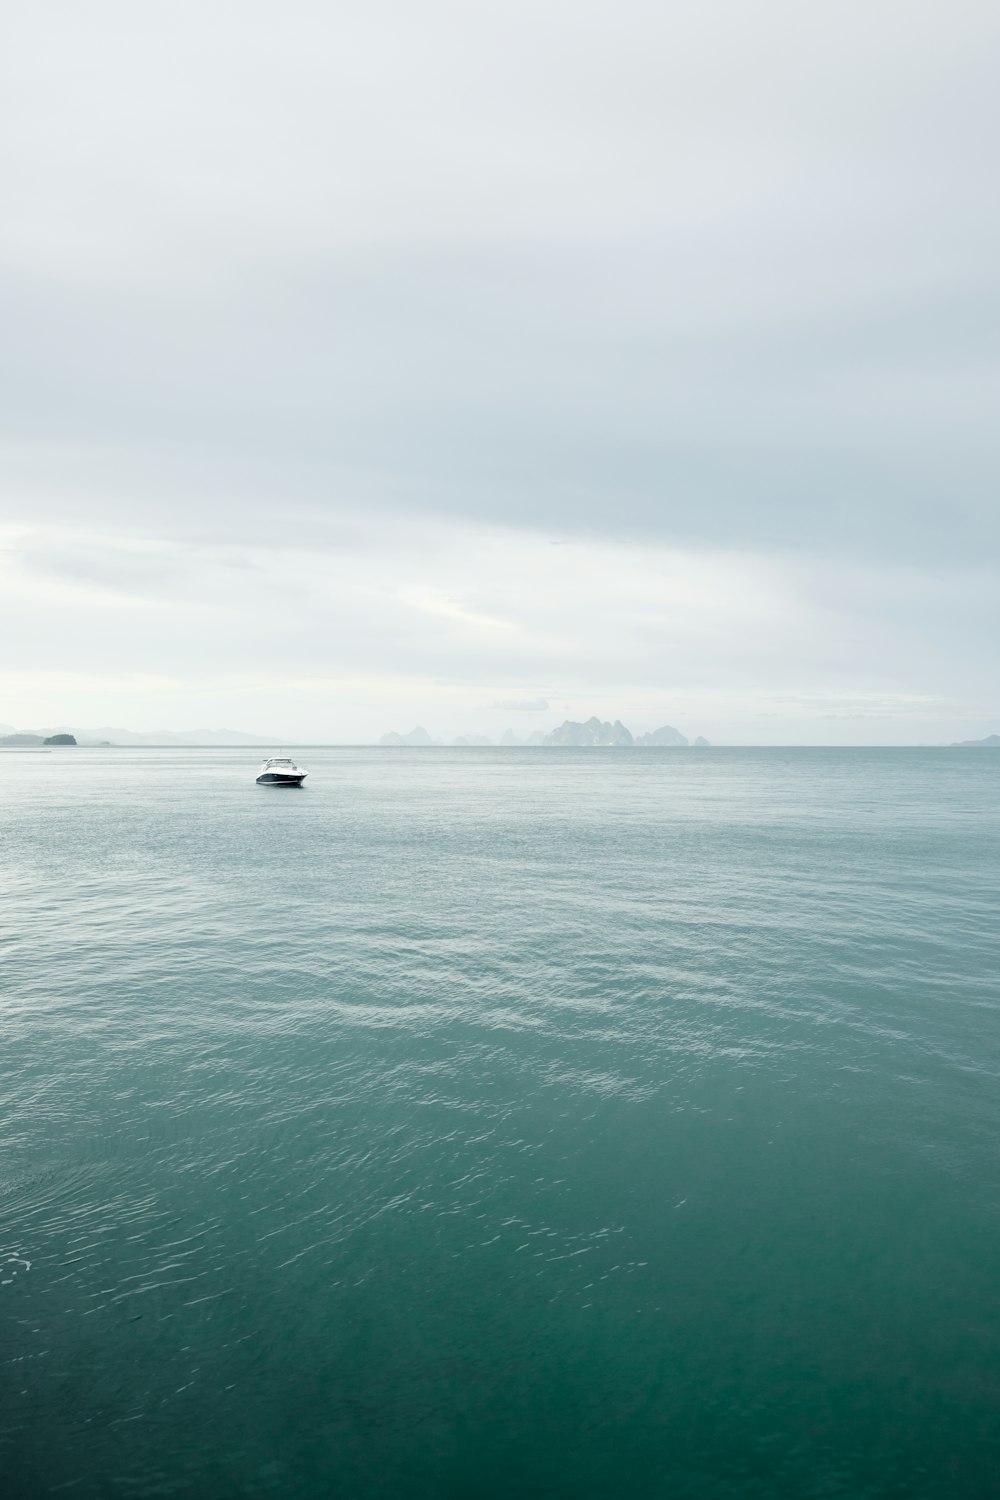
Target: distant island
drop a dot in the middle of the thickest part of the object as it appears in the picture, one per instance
(665, 736)
(600, 732)
(418, 736)
(22, 740)
(106, 737)
(594, 732)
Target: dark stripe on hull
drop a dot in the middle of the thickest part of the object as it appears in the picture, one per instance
(272, 780)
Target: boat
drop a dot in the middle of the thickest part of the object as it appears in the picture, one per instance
(279, 770)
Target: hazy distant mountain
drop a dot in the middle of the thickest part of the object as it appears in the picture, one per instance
(599, 732)
(521, 741)
(594, 732)
(991, 742)
(665, 736)
(418, 736)
(700, 742)
(110, 736)
(171, 736)
(60, 738)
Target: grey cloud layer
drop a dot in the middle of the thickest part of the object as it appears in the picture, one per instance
(719, 278)
(725, 275)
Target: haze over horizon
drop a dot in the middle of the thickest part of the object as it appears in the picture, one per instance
(366, 367)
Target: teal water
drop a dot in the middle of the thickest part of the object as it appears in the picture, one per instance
(500, 1123)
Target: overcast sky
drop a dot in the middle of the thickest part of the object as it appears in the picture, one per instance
(373, 363)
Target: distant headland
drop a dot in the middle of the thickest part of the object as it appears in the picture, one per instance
(17, 741)
(107, 737)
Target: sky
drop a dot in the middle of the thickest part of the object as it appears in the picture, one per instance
(484, 365)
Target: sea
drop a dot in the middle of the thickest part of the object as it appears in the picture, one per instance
(492, 1124)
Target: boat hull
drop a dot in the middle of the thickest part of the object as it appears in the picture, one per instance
(278, 778)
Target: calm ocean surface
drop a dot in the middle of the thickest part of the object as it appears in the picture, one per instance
(509, 1123)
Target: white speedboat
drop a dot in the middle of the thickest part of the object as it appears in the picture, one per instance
(278, 770)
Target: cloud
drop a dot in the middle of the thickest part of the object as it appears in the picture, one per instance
(649, 276)
(313, 361)
(331, 642)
